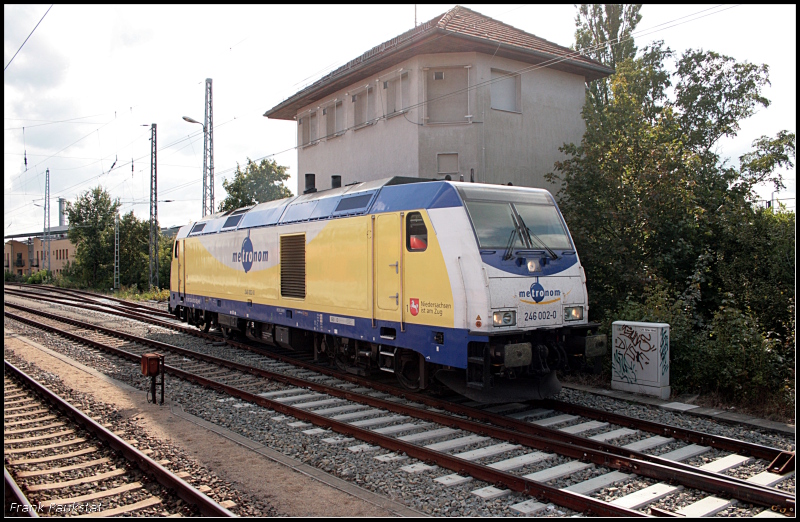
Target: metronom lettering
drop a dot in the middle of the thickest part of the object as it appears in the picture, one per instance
(252, 257)
(541, 293)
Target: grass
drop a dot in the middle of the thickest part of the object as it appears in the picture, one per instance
(134, 294)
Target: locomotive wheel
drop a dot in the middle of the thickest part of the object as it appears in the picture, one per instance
(406, 368)
(203, 321)
(228, 332)
(342, 358)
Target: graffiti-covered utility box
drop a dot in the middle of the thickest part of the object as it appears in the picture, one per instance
(640, 358)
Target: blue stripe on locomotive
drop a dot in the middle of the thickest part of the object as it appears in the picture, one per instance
(452, 352)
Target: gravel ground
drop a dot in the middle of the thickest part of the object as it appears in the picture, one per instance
(660, 416)
(418, 490)
(159, 450)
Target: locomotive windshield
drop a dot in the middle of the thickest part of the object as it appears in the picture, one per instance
(514, 218)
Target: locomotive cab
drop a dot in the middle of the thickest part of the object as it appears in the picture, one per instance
(534, 293)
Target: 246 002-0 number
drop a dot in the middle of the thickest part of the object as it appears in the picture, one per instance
(540, 316)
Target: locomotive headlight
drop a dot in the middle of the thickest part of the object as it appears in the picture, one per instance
(573, 313)
(506, 318)
(534, 265)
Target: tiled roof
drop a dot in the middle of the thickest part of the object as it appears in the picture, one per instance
(471, 30)
(467, 22)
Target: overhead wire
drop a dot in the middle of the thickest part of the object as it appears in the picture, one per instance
(189, 137)
(115, 168)
(48, 122)
(26, 39)
(548, 63)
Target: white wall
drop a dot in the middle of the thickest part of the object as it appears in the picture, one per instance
(500, 145)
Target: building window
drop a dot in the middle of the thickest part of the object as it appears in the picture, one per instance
(505, 91)
(397, 94)
(308, 128)
(363, 107)
(341, 121)
(303, 129)
(447, 163)
(446, 95)
(330, 120)
(312, 123)
(334, 119)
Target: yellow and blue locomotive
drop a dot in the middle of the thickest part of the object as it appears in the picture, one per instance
(478, 286)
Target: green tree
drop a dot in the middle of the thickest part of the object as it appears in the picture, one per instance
(604, 33)
(91, 229)
(668, 231)
(646, 166)
(256, 184)
(713, 94)
(165, 245)
(134, 252)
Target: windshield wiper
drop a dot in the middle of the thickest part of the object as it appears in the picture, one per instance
(530, 236)
(510, 245)
(538, 240)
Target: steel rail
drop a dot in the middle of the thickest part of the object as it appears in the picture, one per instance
(13, 490)
(60, 299)
(163, 476)
(692, 477)
(561, 497)
(715, 441)
(190, 330)
(92, 295)
(519, 426)
(564, 498)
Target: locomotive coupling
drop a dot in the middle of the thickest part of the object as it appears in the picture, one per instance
(595, 345)
(515, 355)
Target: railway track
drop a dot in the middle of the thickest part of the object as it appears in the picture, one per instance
(516, 441)
(59, 461)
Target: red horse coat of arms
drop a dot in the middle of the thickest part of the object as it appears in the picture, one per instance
(414, 306)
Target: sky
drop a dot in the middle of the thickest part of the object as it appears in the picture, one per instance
(82, 92)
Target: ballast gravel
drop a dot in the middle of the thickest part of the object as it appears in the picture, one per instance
(416, 490)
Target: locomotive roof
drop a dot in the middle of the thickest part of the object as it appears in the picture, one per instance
(372, 197)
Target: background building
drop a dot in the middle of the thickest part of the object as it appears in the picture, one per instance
(461, 95)
(30, 255)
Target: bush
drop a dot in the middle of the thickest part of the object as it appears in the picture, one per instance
(69, 278)
(11, 277)
(739, 362)
(730, 357)
(42, 276)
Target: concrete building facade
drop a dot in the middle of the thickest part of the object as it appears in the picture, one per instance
(462, 95)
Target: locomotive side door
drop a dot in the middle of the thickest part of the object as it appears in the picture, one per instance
(389, 267)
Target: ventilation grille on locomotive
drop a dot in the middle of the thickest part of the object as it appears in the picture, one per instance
(293, 266)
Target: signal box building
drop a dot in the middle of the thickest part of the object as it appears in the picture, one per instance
(461, 95)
